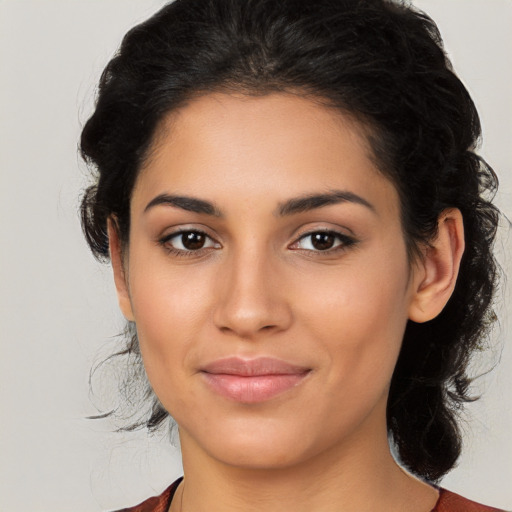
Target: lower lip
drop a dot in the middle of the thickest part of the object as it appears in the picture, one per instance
(253, 389)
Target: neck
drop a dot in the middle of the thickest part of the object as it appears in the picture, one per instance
(358, 476)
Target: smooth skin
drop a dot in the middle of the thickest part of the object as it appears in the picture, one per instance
(324, 284)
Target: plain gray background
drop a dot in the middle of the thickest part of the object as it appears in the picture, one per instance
(58, 308)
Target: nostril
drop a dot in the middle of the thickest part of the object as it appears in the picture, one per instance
(247, 312)
(227, 329)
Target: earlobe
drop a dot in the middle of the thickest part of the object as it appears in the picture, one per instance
(118, 267)
(436, 274)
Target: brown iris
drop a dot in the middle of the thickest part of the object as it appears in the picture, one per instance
(193, 240)
(323, 241)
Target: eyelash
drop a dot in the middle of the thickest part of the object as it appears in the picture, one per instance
(180, 252)
(345, 242)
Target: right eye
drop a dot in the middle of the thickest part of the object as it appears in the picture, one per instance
(188, 241)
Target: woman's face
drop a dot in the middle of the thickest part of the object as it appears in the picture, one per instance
(268, 278)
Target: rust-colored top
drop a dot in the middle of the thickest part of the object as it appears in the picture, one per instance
(156, 503)
(451, 502)
(448, 502)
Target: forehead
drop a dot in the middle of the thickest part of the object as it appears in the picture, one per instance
(255, 120)
(278, 145)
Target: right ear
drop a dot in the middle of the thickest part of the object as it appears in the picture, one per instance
(118, 266)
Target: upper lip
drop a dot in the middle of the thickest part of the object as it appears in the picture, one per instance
(253, 367)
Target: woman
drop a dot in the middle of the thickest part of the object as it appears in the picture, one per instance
(302, 243)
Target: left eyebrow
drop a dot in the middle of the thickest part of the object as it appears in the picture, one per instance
(312, 201)
(190, 204)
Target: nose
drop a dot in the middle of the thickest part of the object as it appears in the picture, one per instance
(252, 299)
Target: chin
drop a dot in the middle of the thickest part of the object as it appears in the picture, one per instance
(256, 444)
(260, 455)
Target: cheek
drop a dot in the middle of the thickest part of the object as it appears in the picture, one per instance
(349, 318)
(359, 314)
(170, 306)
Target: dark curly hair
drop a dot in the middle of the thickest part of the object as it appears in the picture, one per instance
(380, 61)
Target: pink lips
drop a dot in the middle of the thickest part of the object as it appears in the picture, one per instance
(253, 380)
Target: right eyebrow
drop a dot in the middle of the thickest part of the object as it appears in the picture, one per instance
(190, 204)
(314, 201)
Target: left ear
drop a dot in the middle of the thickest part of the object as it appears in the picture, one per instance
(436, 274)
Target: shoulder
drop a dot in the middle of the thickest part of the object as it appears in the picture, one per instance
(451, 502)
(159, 503)
(448, 502)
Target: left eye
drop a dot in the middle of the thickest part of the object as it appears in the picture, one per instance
(188, 241)
(323, 241)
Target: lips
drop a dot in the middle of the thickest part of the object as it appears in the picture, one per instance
(254, 380)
